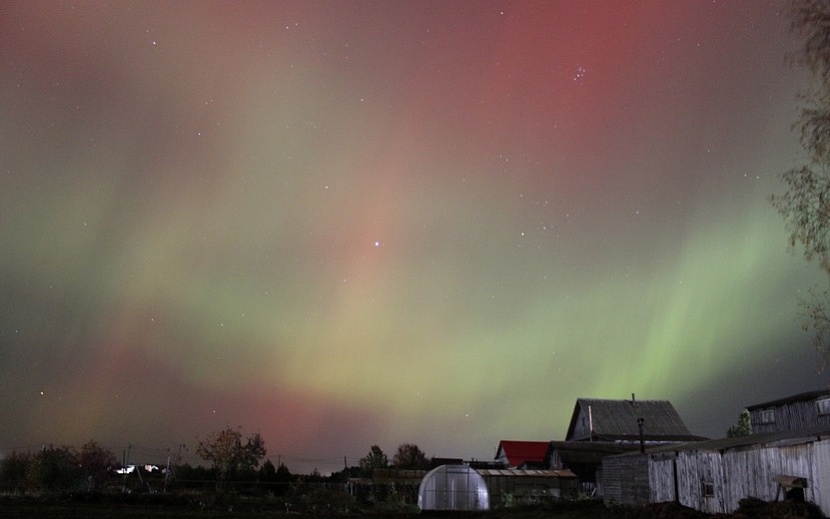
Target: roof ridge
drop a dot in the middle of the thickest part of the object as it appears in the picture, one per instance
(636, 401)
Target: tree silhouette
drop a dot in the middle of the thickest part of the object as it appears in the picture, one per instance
(376, 459)
(805, 203)
(229, 455)
(14, 472)
(96, 462)
(55, 469)
(743, 427)
(410, 456)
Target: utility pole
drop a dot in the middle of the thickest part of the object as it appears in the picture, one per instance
(167, 474)
(124, 465)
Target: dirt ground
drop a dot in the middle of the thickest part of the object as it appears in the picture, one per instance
(193, 509)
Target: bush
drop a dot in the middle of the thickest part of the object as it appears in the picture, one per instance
(55, 469)
(14, 472)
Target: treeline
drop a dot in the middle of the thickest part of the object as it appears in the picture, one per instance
(56, 469)
(234, 465)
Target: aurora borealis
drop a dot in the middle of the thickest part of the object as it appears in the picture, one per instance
(350, 223)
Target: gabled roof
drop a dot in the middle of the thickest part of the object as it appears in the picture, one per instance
(519, 453)
(801, 397)
(617, 420)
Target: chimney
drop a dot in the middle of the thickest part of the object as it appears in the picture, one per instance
(632, 399)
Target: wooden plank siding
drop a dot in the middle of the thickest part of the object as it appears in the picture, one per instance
(661, 478)
(694, 470)
(612, 479)
(790, 414)
(753, 472)
(819, 491)
(796, 415)
(626, 480)
(713, 477)
(749, 474)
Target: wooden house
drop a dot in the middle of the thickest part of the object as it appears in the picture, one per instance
(793, 413)
(522, 454)
(601, 428)
(652, 421)
(713, 476)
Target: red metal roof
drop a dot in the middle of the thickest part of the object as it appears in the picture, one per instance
(520, 452)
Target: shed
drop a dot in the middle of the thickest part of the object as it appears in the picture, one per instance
(453, 487)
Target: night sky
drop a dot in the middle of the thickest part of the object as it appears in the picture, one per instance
(350, 223)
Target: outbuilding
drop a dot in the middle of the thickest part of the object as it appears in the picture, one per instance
(713, 476)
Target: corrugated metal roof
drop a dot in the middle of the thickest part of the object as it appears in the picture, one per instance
(778, 438)
(520, 452)
(809, 395)
(563, 473)
(618, 419)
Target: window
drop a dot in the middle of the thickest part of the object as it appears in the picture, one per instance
(707, 488)
(823, 406)
(766, 416)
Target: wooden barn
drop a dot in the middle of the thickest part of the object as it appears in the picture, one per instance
(713, 476)
(802, 411)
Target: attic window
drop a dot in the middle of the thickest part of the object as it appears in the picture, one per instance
(707, 488)
(823, 406)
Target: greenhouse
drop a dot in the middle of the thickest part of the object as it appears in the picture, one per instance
(453, 487)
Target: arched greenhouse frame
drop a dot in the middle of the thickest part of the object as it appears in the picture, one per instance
(453, 487)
